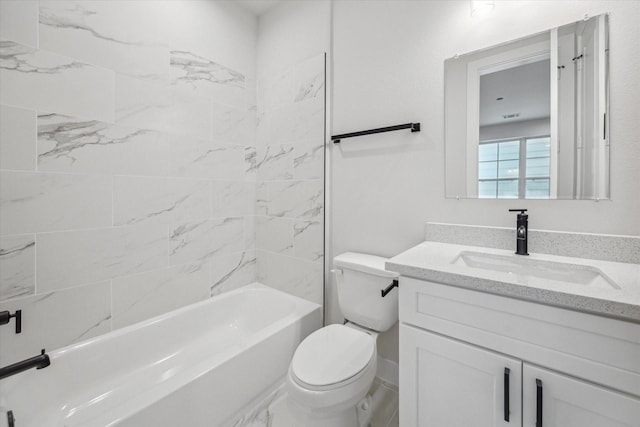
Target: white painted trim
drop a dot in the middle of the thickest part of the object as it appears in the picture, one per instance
(553, 116)
(603, 146)
(502, 61)
(388, 371)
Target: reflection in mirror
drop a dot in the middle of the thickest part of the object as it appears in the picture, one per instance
(527, 119)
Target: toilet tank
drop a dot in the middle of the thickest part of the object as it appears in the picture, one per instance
(359, 280)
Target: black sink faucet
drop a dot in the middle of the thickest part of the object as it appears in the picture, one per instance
(522, 231)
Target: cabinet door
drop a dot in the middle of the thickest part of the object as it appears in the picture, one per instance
(447, 383)
(561, 401)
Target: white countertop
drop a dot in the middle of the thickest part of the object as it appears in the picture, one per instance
(434, 261)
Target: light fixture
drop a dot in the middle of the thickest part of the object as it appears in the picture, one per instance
(481, 7)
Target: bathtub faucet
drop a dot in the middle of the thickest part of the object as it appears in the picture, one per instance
(40, 361)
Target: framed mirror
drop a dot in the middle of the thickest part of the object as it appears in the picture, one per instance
(528, 119)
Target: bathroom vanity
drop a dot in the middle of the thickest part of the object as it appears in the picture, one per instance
(490, 338)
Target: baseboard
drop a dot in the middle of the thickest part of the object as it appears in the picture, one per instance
(388, 371)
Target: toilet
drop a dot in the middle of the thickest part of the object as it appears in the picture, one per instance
(333, 369)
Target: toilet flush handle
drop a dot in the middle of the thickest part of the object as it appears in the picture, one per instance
(386, 290)
(336, 271)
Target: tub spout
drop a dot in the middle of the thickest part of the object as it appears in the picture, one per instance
(38, 362)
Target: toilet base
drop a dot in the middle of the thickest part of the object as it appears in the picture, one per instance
(354, 416)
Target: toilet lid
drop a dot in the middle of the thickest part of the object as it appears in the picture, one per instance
(331, 355)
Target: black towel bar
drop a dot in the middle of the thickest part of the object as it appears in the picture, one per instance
(415, 127)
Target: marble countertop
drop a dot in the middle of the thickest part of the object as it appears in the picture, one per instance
(436, 262)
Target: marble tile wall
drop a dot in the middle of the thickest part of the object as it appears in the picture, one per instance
(290, 179)
(128, 165)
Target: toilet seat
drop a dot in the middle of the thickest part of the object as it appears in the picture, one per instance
(332, 357)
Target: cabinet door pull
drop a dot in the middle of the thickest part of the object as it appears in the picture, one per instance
(538, 403)
(506, 394)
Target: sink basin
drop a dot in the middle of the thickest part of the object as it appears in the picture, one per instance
(523, 266)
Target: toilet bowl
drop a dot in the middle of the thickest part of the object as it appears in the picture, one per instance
(333, 369)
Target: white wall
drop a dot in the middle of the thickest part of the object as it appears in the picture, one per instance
(291, 32)
(388, 61)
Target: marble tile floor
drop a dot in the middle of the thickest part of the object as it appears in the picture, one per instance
(273, 411)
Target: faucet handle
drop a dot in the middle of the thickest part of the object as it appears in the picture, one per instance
(518, 210)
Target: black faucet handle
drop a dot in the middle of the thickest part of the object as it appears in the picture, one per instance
(518, 210)
(5, 316)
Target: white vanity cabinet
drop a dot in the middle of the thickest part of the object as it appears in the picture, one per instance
(467, 355)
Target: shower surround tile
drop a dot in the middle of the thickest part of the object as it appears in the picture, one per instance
(232, 271)
(301, 121)
(17, 138)
(56, 319)
(140, 103)
(33, 202)
(250, 232)
(67, 144)
(250, 163)
(123, 36)
(274, 234)
(45, 81)
(19, 21)
(295, 199)
(142, 296)
(298, 277)
(204, 158)
(194, 73)
(144, 104)
(93, 100)
(233, 125)
(139, 200)
(17, 266)
(275, 162)
(308, 240)
(308, 82)
(308, 161)
(76, 257)
(233, 198)
(203, 240)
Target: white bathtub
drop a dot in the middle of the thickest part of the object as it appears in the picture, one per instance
(196, 366)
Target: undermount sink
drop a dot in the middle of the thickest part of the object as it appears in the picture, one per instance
(523, 266)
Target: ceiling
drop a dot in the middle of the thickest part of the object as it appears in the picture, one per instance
(258, 7)
(524, 90)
